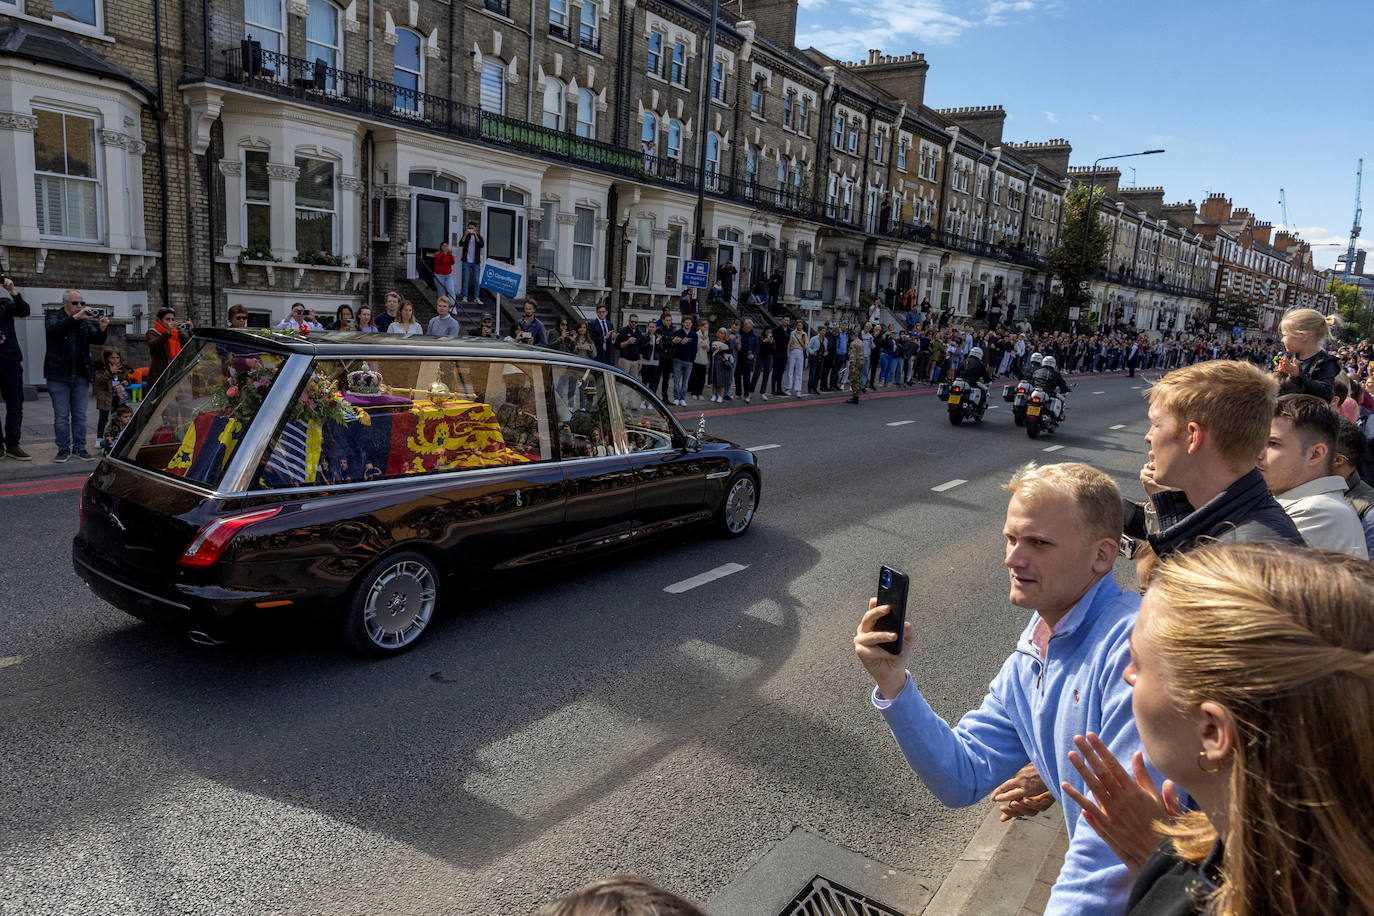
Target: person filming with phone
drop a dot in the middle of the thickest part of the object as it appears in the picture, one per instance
(165, 340)
(71, 332)
(1062, 679)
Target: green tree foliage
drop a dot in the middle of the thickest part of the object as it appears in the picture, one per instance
(1236, 312)
(1071, 262)
(1354, 308)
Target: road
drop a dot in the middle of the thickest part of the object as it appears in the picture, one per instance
(582, 722)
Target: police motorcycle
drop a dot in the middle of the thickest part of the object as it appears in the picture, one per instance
(1018, 395)
(1044, 412)
(966, 400)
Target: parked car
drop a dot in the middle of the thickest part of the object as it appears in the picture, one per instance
(363, 476)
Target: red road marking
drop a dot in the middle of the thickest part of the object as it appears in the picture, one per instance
(33, 490)
(49, 485)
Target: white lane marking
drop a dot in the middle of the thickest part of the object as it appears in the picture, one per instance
(949, 485)
(761, 448)
(1099, 392)
(11, 660)
(901, 423)
(1052, 448)
(711, 575)
(1118, 426)
(993, 406)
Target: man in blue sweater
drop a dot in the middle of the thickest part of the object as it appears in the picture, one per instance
(1064, 679)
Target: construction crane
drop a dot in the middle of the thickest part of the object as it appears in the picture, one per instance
(1283, 207)
(1355, 226)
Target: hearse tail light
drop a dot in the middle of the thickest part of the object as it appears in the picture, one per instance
(207, 546)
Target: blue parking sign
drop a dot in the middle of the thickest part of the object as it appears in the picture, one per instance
(694, 273)
(500, 280)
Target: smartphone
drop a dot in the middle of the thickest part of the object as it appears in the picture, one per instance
(892, 587)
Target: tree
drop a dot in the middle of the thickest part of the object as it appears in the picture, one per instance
(1073, 263)
(1235, 312)
(1354, 308)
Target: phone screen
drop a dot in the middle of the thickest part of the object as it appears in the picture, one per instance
(892, 589)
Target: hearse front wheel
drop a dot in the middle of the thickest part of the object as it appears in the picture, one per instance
(393, 603)
(736, 510)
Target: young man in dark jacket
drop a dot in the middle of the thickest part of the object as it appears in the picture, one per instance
(747, 365)
(1208, 424)
(12, 306)
(71, 331)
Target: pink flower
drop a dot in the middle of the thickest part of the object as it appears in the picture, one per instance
(232, 391)
(304, 399)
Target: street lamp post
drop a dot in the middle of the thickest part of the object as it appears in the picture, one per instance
(1088, 207)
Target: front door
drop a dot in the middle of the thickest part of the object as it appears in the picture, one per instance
(431, 226)
(505, 236)
(670, 481)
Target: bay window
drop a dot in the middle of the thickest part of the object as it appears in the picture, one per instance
(66, 178)
(584, 243)
(315, 205)
(257, 206)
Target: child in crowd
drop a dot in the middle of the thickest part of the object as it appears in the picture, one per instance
(119, 421)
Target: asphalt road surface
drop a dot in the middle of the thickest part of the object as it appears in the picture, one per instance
(580, 723)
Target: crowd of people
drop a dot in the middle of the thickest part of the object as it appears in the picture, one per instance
(1211, 743)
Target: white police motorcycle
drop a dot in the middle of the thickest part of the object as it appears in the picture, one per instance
(1018, 395)
(1043, 412)
(966, 400)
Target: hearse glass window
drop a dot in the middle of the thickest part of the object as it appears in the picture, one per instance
(207, 399)
(647, 427)
(582, 408)
(375, 419)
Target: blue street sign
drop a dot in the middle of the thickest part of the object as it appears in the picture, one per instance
(501, 280)
(694, 273)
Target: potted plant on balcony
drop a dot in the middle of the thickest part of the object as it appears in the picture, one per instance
(257, 254)
(321, 259)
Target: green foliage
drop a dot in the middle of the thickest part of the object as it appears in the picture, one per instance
(1054, 315)
(1068, 261)
(1235, 312)
(1354, 308)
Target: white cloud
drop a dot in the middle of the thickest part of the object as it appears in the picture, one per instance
(1096, 117)
(1054, 119)
(850, 27)
(1327, 245)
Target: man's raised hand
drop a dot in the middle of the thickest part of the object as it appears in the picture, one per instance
(887, 670)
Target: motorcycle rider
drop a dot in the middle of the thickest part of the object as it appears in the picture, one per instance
(971, 368)
(1048, 378)
(1033, 364)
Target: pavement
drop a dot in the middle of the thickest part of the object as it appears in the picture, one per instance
(36, 438)
(579, 722)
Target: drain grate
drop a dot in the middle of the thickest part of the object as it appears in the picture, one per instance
(823, 897)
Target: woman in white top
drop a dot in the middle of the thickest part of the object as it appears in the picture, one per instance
(406, 324)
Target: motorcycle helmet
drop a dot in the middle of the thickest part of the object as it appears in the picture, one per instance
(1036, 358)
(976, 352)
(1049, 362)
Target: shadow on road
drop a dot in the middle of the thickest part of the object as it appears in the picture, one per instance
(524, 707)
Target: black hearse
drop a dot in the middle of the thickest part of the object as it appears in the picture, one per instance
(361, 475)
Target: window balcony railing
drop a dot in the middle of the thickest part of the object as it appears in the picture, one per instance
(268, 72)
(589, 41)
(499, 7)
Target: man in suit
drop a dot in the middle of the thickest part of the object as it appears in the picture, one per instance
(603, 336)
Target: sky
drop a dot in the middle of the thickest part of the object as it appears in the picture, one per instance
(1246, 98)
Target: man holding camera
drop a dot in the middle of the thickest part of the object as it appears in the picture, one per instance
(71, 331)
(165, 339)
(12, 306)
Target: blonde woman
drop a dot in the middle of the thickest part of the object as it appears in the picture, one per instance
(406, 324)
(1306, 367)
(1252, 667)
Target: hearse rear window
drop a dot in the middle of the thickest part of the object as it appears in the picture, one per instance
(373, 419)
(192, 429)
